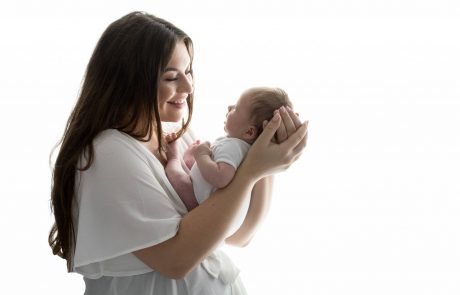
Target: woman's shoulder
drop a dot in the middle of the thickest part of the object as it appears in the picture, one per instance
(114, 145)
(113, 139)
(109, 136)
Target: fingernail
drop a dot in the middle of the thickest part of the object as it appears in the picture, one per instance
(287, 107)
(283, 109)
(276, 117)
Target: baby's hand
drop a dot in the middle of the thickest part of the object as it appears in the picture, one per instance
(172, 151)
(203, 149)
(189, 158)
(170, 137)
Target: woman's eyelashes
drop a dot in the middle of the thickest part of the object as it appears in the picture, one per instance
(175, 78)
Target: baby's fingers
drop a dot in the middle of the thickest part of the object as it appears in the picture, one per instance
(170, 137)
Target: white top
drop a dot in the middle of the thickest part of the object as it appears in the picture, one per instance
(126, 203)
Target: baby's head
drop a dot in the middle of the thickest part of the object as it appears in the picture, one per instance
(245, 119)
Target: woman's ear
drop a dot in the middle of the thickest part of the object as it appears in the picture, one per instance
(251, 133)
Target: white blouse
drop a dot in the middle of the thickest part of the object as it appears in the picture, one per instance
(126, 203)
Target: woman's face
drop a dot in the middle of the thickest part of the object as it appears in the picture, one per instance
(175, 84)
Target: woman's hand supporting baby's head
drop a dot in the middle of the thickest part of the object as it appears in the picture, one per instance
(267, 157)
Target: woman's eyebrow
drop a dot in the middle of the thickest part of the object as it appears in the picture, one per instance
(174, 69)
(171, 69)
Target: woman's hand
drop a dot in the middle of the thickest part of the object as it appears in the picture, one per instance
(267, 157)
(288, 126)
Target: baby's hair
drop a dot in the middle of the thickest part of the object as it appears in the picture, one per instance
(265, 101)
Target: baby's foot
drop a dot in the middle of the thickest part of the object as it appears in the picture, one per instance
(189, 159)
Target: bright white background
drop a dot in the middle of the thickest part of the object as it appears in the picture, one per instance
(372, 207)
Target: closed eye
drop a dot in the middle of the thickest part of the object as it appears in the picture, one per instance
(188, 72)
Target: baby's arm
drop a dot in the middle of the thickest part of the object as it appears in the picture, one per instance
(179, 179)
(218, 174)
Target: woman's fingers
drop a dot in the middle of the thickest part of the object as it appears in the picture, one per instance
(263, 127)
(281, 133)
(303, 143)
(298, 140)
(289, 125)
(294, 117)
(270, 129)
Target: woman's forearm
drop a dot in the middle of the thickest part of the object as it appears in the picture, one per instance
(260, 204)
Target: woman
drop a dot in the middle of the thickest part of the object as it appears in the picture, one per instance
(119, 223)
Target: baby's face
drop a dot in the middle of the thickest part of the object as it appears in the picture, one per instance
(238, 117)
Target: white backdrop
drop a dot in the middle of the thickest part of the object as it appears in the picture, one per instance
(373, 205)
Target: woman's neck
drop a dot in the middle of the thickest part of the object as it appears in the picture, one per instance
(152, 145)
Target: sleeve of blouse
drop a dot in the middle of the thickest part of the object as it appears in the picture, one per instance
(122, 206)
(231, 152)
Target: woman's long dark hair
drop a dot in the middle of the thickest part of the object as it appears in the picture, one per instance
(119, 91)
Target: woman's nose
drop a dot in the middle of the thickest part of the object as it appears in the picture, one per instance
(187, 85)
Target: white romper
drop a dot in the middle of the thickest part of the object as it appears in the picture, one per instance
(226, 149)
(229, 150)
(126, 203)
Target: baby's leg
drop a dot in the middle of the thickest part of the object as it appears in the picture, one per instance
(178, 178)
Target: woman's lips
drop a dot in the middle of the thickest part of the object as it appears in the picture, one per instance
(177, 103)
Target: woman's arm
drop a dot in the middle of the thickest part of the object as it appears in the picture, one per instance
(258, 208)
(204, 228)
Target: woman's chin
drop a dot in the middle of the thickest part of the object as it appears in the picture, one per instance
(172, 118)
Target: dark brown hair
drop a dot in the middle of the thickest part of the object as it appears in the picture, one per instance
(265, 101)
(119, 91)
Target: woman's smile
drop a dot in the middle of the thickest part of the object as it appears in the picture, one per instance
(178, 103)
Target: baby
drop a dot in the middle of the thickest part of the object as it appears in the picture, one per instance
(205, 168)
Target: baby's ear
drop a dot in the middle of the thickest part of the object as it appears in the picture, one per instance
(251, 132)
